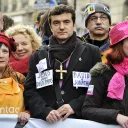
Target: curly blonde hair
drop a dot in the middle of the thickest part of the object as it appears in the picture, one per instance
(36, 40)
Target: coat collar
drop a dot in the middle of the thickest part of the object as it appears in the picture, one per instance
(99, 68)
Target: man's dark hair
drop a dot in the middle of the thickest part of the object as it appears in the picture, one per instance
(61, 9)
(44, 25)
(39, 16)
(8, 22)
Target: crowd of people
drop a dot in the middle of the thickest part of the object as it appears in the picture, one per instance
(52, 74)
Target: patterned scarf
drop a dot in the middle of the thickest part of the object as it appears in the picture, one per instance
(16, 76)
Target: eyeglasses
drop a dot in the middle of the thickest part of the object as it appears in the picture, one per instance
(95, 18)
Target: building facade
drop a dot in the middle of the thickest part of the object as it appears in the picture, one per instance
(23, 10)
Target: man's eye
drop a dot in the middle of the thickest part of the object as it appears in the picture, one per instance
(67, 22)
(104, 17)
(93, 18)
(56, 23)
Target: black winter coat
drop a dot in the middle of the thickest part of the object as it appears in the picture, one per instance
(98, 107)
(41, 101)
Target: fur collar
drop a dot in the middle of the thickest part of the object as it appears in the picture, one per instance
(99, 68)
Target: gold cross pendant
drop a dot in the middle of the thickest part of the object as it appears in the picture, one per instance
(61, 71)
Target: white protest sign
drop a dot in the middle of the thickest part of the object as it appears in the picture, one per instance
(44, 79)
(42, 65)
(81, 79)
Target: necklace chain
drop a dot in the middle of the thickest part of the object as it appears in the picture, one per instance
(65, 59)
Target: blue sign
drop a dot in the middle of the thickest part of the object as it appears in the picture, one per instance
(44, 4)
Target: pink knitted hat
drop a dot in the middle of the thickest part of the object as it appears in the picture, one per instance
(118, 33)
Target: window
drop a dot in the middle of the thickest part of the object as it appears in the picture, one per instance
(24, 3)
(4, 6)
(14, 5)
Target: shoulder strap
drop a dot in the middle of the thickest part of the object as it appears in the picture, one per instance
(59, 98)
(60, 101)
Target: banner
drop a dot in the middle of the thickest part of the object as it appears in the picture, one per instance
(10, 121)
(68, 123)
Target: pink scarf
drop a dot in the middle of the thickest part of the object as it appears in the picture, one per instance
(117, 83)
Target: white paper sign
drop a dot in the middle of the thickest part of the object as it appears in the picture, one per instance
(42, 65)
(81, 79)
(90, 90)
(44, 79)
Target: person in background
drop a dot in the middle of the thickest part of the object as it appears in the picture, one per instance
(97, 21)
(8, 22)
(37, 22)
(44, 28)
(49, 93)
(27, 41)
(11, 83)
(107, 96)
(1, 21)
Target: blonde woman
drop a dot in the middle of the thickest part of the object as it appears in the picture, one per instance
(27, 41)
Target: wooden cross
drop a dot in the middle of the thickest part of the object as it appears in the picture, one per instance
(61, 71)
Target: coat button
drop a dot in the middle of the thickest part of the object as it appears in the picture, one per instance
(62, 92)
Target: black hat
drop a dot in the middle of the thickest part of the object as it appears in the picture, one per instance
(94, 8)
